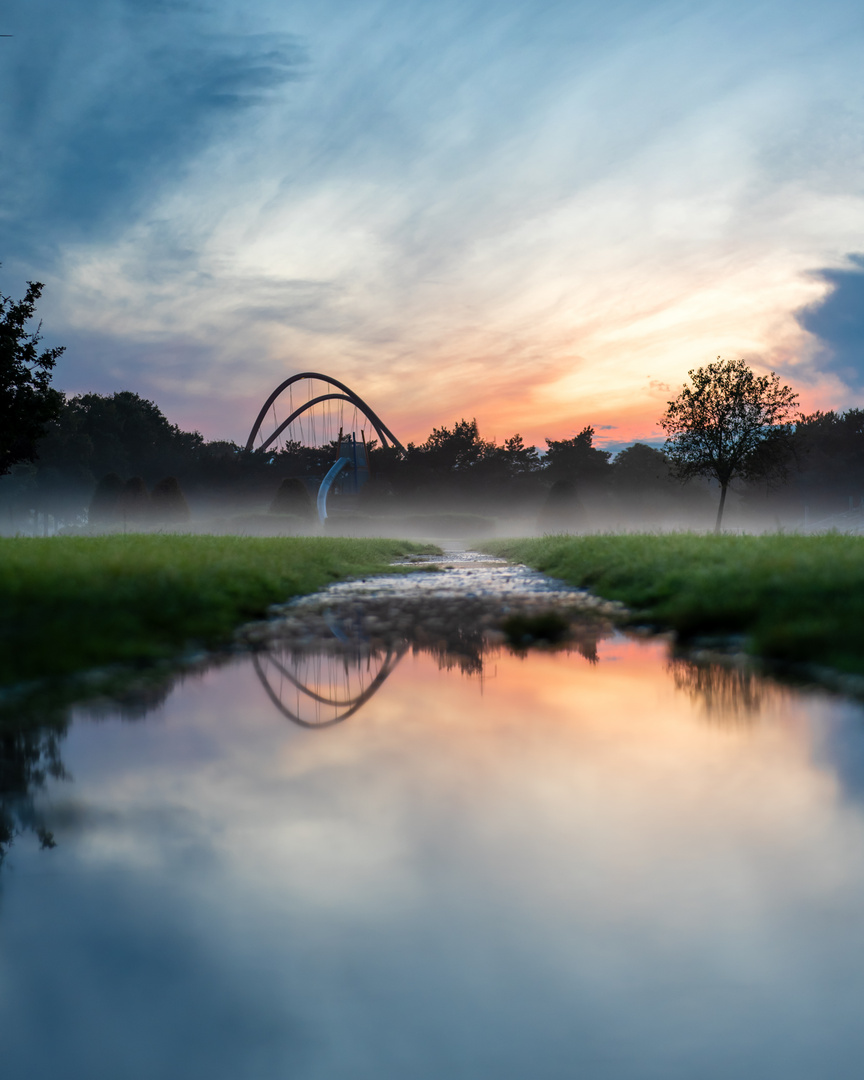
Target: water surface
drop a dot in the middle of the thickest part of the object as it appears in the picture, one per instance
(584, 862)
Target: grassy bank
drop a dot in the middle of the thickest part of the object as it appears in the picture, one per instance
(68, 603)
(795, 598)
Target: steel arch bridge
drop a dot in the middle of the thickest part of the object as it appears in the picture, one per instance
(295, 415)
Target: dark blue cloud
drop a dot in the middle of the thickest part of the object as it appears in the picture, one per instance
(101, 103)
(838, 322)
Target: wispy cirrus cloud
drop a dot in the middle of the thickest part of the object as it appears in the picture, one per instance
(105, 102)
(541, 217)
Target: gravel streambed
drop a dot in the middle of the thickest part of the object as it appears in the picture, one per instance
(457, 603)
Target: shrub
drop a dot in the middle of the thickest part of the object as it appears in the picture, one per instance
(134, 505)
(103, 505)
(292, 498)
(168, 502)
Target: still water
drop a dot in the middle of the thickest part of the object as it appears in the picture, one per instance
(588, 862)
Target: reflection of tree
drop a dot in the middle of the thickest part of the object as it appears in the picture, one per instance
(31, 731)
(727, 694)
(28, 756)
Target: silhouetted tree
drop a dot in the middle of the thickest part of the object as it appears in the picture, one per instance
(640, 468)
(125, 433)
(513, 460)
(577, 460)
(456, 450)
(730, 423)
(523, 460)
(829, 454)
(28, 402)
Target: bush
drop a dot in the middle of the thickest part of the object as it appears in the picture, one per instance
(563, 511)
(292, 498)
(169, 503)
(103, 505)
(134, 505)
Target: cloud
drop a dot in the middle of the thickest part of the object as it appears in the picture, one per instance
(104, 101)
(461, 208)
(837, 321)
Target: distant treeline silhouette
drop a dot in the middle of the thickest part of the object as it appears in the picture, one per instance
(120, 458)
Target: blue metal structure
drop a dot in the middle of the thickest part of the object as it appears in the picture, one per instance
(353, 463)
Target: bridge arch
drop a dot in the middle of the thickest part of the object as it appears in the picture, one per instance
(346, 394)
(318, 690)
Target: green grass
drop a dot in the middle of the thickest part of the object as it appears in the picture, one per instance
(69, 603)
(797, 599)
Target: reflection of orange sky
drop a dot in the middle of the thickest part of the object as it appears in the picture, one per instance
(597, 789)
(610, 761)
(568, 838)
(625, 708)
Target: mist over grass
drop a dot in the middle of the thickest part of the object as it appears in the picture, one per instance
(68, 603)
(795, 599)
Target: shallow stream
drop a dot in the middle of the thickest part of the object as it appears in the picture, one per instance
(387, 844)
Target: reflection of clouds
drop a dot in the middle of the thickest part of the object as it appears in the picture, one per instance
(141, 989)
(840, 747)
(346, 643)
(513, 878)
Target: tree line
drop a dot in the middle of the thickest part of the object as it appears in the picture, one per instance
(123, 445)
(729, 429)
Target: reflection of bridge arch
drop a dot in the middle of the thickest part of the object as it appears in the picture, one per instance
(385, 435)
(317, 690)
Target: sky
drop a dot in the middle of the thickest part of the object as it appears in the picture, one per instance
(541, 215)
